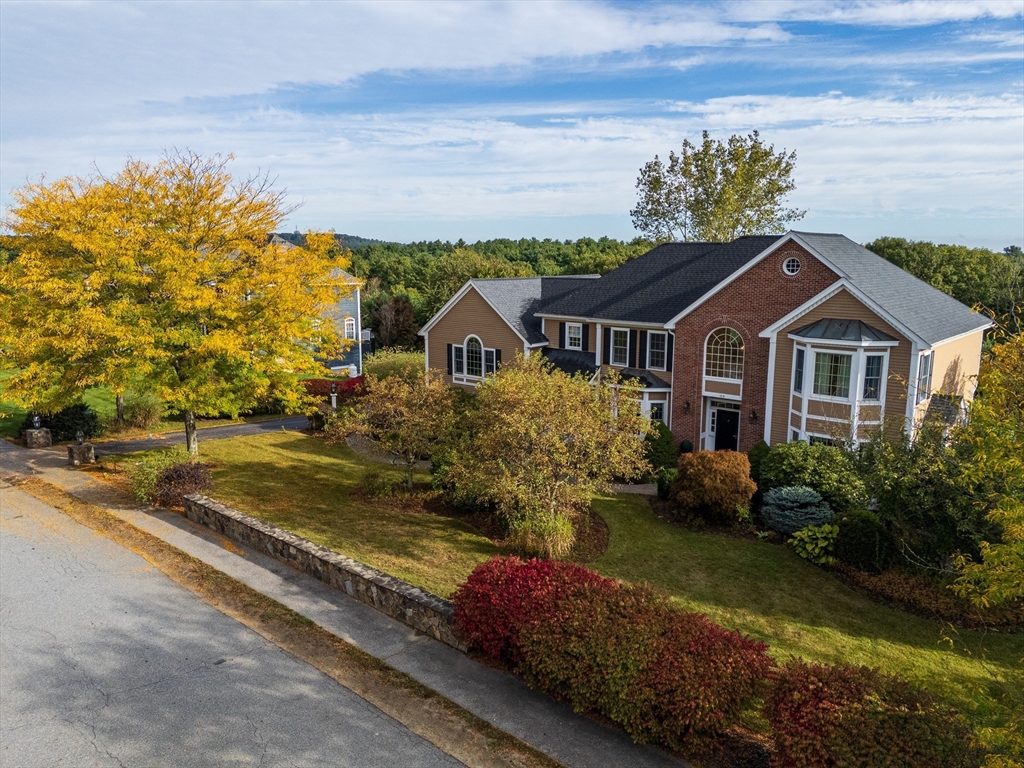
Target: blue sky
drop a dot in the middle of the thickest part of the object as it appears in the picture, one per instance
(409, 121)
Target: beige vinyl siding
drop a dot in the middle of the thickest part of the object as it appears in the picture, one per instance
(955, 368)
(471, 315)
(729, 388)
(842, 306)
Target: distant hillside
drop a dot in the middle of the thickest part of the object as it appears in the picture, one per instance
(352, 242)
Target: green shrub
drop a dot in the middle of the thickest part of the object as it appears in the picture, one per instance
(661, 447)
(65, 424)
(664, 479)
(864, 542)
(389, 362)
(686, 446)
(756, 455)
(825, 716)
(376, 483)
(142, 410)
(825, 468)
(816, 543)
(179, 480)
(143, 474)
(710, 485)
(791, 508)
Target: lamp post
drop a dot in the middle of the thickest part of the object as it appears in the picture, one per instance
(334, 394)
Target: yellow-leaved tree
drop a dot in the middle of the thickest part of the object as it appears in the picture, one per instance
(164, 278)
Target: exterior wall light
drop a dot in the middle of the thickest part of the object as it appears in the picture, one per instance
(753, 417)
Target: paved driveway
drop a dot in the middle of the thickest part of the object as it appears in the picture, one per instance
(106, 662)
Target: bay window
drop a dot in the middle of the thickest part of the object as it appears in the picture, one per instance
(832, 374)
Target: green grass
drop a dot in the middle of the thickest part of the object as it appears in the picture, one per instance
(768, 592)
(11, 415)
(302, 484)
(765, 590)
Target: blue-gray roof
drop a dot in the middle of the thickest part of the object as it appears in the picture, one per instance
(517, 299)
(926, 311)
(842, 330)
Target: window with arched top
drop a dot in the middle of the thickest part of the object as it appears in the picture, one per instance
(350, 327)
(723, 354)
(474, 357)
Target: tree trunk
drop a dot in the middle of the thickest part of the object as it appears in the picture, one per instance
(191, 439)
(120, 408)
(409, 465)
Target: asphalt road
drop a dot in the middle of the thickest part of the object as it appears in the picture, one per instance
(168, 439)
(106, 662)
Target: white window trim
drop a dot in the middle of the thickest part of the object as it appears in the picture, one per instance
(465, 378)
(704, 358)
(922, 394)
(611, 352)
(850, 385)
(350, 321)
(648, 361)
(568, 328)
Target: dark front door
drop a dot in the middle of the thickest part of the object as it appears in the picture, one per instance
(727, 430)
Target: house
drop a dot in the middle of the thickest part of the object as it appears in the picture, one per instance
(347, 316)
(802, 336)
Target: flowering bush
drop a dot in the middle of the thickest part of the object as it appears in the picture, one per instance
(826, 716)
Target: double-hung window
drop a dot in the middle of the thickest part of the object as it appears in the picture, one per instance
(657, 347)
(872, 377)
(924, 376)
(458, 361)
(832, 374)
(574, 336)
(620, 346)
(350, 328)
(798, 371)
(474, 357)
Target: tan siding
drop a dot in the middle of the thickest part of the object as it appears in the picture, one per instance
(829, 410)
(551, 332)
(723, 388)
(798, 403)
(794, 420)
(955, 369)
(471, 315)
(845, 306)
(870, 413)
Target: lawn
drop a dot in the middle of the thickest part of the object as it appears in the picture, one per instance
(765, 590)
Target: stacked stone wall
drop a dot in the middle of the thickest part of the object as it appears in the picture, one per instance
(411, 605)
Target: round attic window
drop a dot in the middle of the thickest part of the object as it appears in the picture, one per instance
(791, 266)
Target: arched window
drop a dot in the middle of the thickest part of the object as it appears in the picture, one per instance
(474, 357)
(723, 354)
(350, 327)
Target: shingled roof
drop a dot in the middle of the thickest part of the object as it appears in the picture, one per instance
(922, 309)
(517, 299)
(655, 287)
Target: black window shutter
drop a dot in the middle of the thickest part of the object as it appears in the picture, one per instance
(606, 351)
(642, 362)
(561, 335)
(586, 337)
(497, 358)
(669, 353)
(631, 354)
(449, 359)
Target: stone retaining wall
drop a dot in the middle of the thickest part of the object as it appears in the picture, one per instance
(411, 605)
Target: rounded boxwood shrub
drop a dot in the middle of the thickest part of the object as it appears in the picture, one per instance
(825, 716)
(825, 468)
(864, 542)
(711, 485)
(792, 508)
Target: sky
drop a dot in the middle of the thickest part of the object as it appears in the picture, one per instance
(420, 121)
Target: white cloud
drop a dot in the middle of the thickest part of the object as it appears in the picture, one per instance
(877, 12)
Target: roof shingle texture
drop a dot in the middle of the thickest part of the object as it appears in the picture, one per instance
(657, 286)
(926, 311)
(516, 299)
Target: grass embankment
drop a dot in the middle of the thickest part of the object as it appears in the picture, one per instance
(767, 591)
(303, 485)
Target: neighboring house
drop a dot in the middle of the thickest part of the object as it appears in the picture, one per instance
(347, 317)
(800, 336)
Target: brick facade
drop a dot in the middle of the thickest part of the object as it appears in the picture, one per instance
(759, 297)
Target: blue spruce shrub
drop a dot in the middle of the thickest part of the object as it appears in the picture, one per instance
(794, 507)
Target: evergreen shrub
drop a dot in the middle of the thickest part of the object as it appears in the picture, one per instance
(756, 455)
(825, 468)
(65, 424)
(864, 542)
(711, 485)
(660, 447)
(825, 716)
(790, 508)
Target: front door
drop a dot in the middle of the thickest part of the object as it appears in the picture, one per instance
(727, 429)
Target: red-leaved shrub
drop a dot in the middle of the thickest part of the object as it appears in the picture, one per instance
(345, 388)
(504, 593)
(666, 676)
(826, 716)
